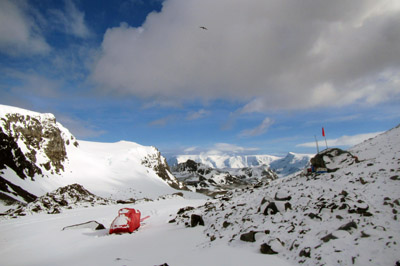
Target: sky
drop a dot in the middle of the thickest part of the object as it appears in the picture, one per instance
(214, 77)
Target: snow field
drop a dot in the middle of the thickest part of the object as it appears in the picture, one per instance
(39, 240)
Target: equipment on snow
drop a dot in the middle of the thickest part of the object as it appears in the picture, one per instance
(127, 221)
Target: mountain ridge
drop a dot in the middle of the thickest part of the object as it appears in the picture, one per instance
(39, 155)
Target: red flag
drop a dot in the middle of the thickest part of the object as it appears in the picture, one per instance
(323, 132)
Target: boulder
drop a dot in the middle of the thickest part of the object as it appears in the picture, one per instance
(195, 220)
(267, 249)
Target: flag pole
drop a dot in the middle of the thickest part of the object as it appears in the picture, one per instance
(316, 142)
(323, 134)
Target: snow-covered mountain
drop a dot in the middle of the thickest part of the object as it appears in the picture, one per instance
(283, 166)
(290, 164)
(347, 216)
(39, 155)
(225, 161)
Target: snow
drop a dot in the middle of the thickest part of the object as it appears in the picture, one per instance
(39, 240)
(314, 229)
(227, 161)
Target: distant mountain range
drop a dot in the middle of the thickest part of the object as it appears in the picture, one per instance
(282, 166)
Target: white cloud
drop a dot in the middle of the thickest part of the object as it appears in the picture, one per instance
(19, 32)
(162, 121)
(259, 130)
(197, 115)
(71, 20)
(275, 54)
(226, 148)
(342, 141)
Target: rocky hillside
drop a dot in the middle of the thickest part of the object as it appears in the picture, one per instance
(68, 197)
(349, 216)
(204, 179)
(38, 155)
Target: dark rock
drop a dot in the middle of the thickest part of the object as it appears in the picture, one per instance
(395, 177)
(226, 224)
(267, 249)
(314, 216)
(271, 209)
(364, 235)
(196, 220)
(249, 237)
(288, 206)
(305, 252)
(348, 226)
(329, 237)
(185, 209)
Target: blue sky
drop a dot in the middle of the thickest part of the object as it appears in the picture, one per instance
(263, 78)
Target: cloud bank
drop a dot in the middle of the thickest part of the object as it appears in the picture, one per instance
(271, 54)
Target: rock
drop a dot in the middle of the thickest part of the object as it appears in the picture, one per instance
(267, 249)
(348, 226)
(271, 209)
(305, 252)
(226, 224)
(249, 237)
(185, 209)
(196, 220)
(327, 238)
(395, 177)
(314, 216)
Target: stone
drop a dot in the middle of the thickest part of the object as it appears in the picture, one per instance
(267, 249)
(195, 220)
(249, 237)
(271, 209)
(305, 252)
(348, 226)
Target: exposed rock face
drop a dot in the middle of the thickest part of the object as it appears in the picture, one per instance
(158, 163)
(12, 156)
(33, 142)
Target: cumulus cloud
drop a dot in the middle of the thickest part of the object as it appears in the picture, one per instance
(270, 54)
(259, 130)
(20, 34)
(342, 141)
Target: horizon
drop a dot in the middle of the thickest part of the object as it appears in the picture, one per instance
(248, 78)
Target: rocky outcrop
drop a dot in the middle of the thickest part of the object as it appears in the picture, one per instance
(11, 156)
(68, 197)
(34, 141)
(332, 159)
(158, 163)
(211, 181)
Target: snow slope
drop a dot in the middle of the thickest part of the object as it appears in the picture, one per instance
(345, 217)
(39, 240)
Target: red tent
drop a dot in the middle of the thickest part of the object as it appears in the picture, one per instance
(127, 221)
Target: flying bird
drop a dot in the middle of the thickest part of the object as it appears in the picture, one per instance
(204, 28)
